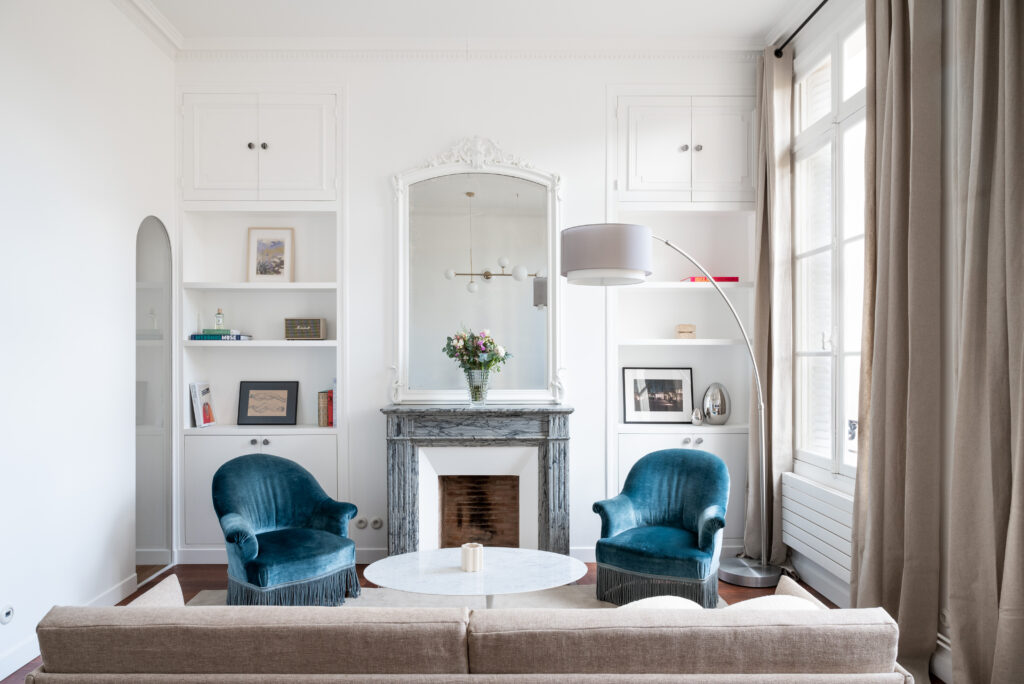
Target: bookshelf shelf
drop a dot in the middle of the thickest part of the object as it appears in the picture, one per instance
(680, 285)
(261, 344)
(270, 430)
(657, 342)
(260, 287)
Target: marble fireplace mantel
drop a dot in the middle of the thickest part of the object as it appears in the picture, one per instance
(412, 426)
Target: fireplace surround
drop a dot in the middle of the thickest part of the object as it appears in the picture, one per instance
(411, 427)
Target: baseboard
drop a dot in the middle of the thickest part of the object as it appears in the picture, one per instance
(834, 589)
(15, 658)
(369, 555)
(112, 596)
(942, 659)
(202, 556)
(587, 554)
(152, 556)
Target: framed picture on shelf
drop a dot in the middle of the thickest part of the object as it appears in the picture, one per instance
(202, 404)
(657, 395)
(271, 255)
(267, 402)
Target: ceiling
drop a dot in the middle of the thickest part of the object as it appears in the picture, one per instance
(671, 24)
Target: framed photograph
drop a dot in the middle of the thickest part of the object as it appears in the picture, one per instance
(202, 404)
(267, 402)
(271, 254)
(657, 395)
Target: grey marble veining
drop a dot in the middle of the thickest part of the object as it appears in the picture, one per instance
(411, 426)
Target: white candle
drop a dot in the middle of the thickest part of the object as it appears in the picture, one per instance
(472, 557)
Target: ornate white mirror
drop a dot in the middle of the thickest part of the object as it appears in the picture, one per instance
(477, 241)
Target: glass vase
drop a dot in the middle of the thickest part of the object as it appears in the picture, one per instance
(476, 383)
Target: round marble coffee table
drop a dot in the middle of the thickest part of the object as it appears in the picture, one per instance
(505, 571)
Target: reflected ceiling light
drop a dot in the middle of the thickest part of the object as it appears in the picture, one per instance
(518, 273)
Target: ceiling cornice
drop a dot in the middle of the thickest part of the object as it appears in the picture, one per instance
(154, 24)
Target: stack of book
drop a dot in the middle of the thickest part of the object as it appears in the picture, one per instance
(718, 279)
(220, 334)
(325, 408)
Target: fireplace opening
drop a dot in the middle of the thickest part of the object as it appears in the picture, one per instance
(479, 508)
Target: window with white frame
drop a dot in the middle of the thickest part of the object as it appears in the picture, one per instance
(828, 246)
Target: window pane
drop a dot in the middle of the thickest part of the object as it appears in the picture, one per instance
(851, 391)
(852, 180)
(814, 405)
(814, 200)
(855, 63)
(815, 94)
(853, 294)
(813, 294)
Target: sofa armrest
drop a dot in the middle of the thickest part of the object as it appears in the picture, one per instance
(239, 532)
(617, 515)
(333, 516)
(710, 521)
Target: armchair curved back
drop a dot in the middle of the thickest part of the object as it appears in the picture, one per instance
(270, 492)
(672, 487)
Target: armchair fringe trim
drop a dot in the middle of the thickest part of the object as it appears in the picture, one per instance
(621, 587)
(326, 590)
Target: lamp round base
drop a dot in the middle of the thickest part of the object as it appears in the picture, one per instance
(746, 572)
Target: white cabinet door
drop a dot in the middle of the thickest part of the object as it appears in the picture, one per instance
(723, 149)
(731, 448)
(205, 454)
(297, 147)
(221, 148)
(658, 148)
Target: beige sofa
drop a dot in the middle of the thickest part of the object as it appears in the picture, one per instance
(159, 640)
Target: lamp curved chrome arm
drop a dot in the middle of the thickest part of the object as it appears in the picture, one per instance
(619, 254)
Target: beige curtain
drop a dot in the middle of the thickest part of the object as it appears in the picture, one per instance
(897, 502)
(773, 319)
(986, 559)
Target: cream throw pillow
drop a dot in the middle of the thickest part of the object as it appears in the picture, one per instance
(166, 594)
(663, 603)
(775, 603)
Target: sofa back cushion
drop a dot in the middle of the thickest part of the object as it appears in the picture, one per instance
(254, 639)
(664, 641)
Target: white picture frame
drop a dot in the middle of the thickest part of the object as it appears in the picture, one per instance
(271, 255)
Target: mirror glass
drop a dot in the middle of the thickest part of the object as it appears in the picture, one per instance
(478, 252)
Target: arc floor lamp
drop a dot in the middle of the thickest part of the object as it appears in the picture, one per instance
(610, 254)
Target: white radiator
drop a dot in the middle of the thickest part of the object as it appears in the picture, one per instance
(818, 522)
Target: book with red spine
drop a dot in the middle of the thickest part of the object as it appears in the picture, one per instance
(718, 279)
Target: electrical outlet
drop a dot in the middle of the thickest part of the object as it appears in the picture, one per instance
(6, 615)
(361, 523)
(376, 523)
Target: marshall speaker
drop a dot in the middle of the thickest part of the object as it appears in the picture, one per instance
(305, 329)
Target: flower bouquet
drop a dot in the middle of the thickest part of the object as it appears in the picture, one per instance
(477, 354)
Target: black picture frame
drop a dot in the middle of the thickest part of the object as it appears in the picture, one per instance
(270, 408)
(668, 409)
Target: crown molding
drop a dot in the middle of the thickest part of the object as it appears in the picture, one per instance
(154, 24)
(357, 49)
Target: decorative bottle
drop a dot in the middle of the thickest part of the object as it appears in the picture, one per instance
(218, 320)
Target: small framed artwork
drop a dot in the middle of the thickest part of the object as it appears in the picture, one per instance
(271, 254)
(202, 404)
(267, 402)
(657, 395)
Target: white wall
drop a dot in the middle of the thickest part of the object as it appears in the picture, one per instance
(401, 111)
(86, 153)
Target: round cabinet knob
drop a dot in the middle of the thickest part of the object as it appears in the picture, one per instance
(684, 148)
(698, 441)
(686, 440)
(251, 146)
(266, 441)
(264, 146)
(698, 147)
(253, 441)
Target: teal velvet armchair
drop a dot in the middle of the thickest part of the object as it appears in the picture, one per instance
(287, 541)
(663, 533)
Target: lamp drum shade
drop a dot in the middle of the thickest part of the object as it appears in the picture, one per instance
(606, 254)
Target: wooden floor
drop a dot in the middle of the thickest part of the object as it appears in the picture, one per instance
(196, 578)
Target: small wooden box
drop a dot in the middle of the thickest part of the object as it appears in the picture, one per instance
(686, 331)
(305, 329)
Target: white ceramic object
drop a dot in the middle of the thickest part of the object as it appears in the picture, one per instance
(472, 557)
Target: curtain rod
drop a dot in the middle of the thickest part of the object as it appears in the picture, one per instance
(778, 50)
